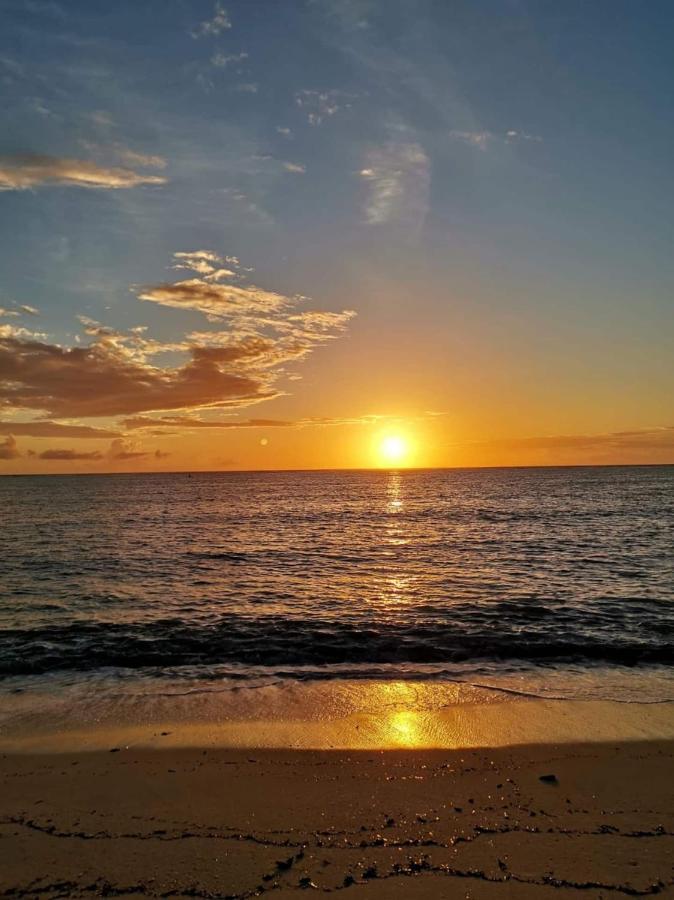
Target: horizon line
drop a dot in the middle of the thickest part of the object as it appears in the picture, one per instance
(383, 469)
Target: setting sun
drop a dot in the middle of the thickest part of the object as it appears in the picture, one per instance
(393, 449)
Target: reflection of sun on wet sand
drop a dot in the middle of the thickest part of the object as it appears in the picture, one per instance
(330, 715)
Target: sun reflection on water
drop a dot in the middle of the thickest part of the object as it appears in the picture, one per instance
(397, 584)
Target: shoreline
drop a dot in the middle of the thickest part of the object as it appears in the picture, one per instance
(336, 715)
(573, 820)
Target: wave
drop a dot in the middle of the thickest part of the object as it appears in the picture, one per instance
(273, 642)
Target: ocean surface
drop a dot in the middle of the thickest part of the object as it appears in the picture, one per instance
(552, 582)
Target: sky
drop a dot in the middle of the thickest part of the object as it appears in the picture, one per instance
(268, 234)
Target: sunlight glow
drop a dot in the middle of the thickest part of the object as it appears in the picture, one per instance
(393, 450)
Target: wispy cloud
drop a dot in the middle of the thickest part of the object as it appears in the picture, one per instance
(661, 437)
(398, 179)
(187, 422)
(295, 168)
(224, 293)
(321, 105)
(247, 208)
(214, 26)
(482, 139)
(479, 139)
(23, 172)
(523, 136)
(191, 422)
(44, 428)
(134, 158)
(223, 60)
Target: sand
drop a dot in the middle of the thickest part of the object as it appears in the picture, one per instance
(215, 822)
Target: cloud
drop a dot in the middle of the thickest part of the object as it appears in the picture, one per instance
(219, 298)
(206, 263)
(21, 172)
(145, 160)
(102, 119)
(8, 448)
(45, 428)
(482, 139)
(297, 168)
(63, 455)
(222, 60)
(265, 328)
(661, 437)
(122, 450)
(101, 380)
(191, 422)
(244, 207)
(138, 422)
(398, 179)
(214, 26)
(522, 136)
(124, 154)
(7, 331)
(214, 299)
(479, 139)
(116, 372)
(322, 105)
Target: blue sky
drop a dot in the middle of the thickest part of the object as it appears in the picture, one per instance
(486, 186)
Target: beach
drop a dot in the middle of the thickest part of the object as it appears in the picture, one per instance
(463, 799)
(592, 820)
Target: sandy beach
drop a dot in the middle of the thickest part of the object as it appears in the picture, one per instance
(571, 820)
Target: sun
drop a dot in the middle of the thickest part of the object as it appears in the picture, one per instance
(393, 450)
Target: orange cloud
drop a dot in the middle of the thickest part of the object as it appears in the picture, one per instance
(46, 428)
(191, 422)
(21, 172)
(644, 438)
(100, 380)
(115, 374)
(62, 455)
(8, 448)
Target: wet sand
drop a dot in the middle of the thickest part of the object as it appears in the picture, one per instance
(215, 822)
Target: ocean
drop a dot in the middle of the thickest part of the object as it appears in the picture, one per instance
(553, 582)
